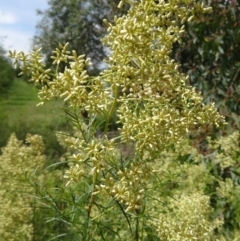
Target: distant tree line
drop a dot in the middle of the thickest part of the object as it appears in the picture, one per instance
(7, 73)
(78, 22)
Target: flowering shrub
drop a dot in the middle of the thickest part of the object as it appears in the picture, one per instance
(189, 219)
(17, 209)
(111, 196)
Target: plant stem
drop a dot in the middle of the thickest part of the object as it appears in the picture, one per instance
(116, 89)
(137, 229)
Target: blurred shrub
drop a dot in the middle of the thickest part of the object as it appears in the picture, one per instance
(53, 150)
(16, 197)
(4, 126)
(7, 74)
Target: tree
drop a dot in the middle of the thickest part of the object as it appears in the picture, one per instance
(77, 22)
(7, 73)
(209, 54)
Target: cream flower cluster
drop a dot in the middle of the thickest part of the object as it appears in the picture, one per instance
(17, 202)
(157, 107)
(226, 150)
(187, 219)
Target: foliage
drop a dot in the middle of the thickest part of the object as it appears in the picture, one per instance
(156, 110)
(187, 180)
(225, 157)
(209, 54)
(17, 204)
(7, 73)
(50, 204)
(215, 173)
(18, 114)
(77, 22)
(4, 127)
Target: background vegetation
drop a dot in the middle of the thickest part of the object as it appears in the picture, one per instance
(7, 72)
(208, 53)
(80, 24)
(19, 114)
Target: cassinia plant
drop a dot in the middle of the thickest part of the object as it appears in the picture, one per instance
(178, 203)
(116, 197)
(16, 198)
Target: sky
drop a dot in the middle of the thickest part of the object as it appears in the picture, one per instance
(18, 20)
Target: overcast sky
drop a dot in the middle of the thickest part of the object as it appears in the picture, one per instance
(18, 20)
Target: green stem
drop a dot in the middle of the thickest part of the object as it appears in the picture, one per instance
(137, 229)
(116, 89)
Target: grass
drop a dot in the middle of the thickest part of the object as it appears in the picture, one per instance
(22, 101)
(19, 113)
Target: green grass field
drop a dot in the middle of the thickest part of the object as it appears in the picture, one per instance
(22, 101)
(19, 113)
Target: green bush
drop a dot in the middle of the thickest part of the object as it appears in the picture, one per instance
(7, 73)
(4, 127)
